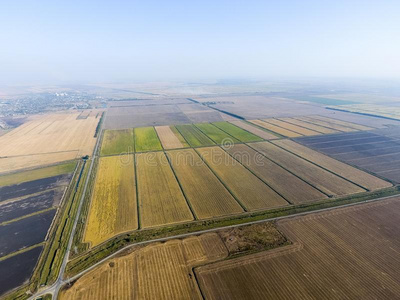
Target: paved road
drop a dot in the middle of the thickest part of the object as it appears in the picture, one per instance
(55, 287)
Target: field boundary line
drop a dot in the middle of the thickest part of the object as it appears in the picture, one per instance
(251, 171)
(22, 251)
(264, 120)
(223, 183)
(310, 122)
(278, 136)
(29, 215)
(286, 121)
(240, 141)
(274, 118)
(330, 171)
(310, 184)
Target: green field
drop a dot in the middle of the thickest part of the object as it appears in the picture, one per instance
(238, 133)
(179, 136)
(37, 174)
(214, 133)
(117, 142)
(146, 139)
(194, 136)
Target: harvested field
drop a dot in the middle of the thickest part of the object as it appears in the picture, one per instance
(291, 127)
(194, 136)
(216, 134)
(330, 125)
(206, 194)
(343, 123)
(17, 208)
(31, 231)
(286, 184)
(156, 271)
(313, 127)
(21, 177)
(357, 176)
(160, 197)
(372, 152)
(254, 130)
(113, 207)
(17, 163)
(35, 186)
(237, 132)
(276, 129)
(316, 176)
(348, 253)
(247, 188)
(146, 139)
(17, 270)
(67, 133)
(117, 142)
(170, 138)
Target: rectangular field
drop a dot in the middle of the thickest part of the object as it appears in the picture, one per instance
(324, 123)
(313, 127)
(286, 184)
(170, 138)
(357, 176)
(254, 130)
(215, 134)
(323, 180)
(248, 189)
(31, 231)
(117, 142)
(113, 207)
(206, 194)
(239, 133)
(291, 127)
(275, 129)
(161, 200)
(349, 253)
(343, 123)
(146, 139)
(157, 271)
(194, 136)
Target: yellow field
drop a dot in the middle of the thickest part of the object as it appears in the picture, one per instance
(309, 125)
(254, 130)
(289, 186)
(54, 134)
(168, 138)
(291, 127)
(316, 176)
(362, 178)
(274, 128)
(113, 208)
(350, 253)
(160, 197)
(326, 124)
(343, 123)
(251, 191)
(208, 197)
(157, 271)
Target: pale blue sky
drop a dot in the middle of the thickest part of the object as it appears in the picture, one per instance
(89, 41)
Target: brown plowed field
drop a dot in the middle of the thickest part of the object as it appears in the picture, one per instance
(348, 253)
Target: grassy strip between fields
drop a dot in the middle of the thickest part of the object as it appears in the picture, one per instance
(96, 254)
(48, 266)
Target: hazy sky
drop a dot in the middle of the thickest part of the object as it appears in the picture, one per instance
(90, 41)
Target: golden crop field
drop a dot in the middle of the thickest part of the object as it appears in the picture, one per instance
(207, 195)
(314, 127)
(156, 271)
(347, 253)
(274, 128)
(60, 136)
(288, 185)
(326, 124)
(325, 181)
(254, 130)
(248, 189)
(343, 123)
(161, 200)
(170, 139)
(291, 127)
(113, 207)
(362, 178)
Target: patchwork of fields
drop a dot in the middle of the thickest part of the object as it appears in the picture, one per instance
(371, 151)
(28, 203)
